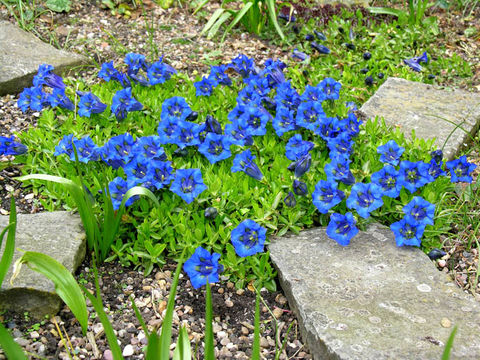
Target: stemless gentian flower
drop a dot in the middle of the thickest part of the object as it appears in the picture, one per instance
(108, 72)
(299, 188)
(287, 96)
(412, 175)
(117, 151)
(326, 195)
(435, 170)
(135, 62)
(339, 170)
(341, 228)
(437, 155)
(460, 169)
(167, 130)
(244, 162)
(217, 76)
(322, 49)
(413, 64)
(33, 98)
(212, 125)
(312, 93)
(319, 35)
(387, 179)
(187, 134)
(65, 145)
(137, 170)
(310, 115)
(149, 147)
(407, 232)
(216, 147)
(302, 165)
(290, 200)
(210, 212)
(330, 88)
(160, 173)
(188, 184)
(353, 124)
(202, 267)
(365, 198)
(239, 132)
(390, 153)
(299, 55)
(203, 87)
(8, 146)
(248, 96)
(46, 77)
(159, 72)
(90, 104)
(123, 102)
(243, 65)
(87, 150)
(117, 189)
(256, 119)
(284, 120)
(296, 147)
(329, 128)
(248, 238)
(340, 145)
(419, 211)
(58, 98)
(175, 107)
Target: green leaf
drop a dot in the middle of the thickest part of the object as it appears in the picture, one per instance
(209, 347)
(59, 5)
(273, 17)
(7, 256)
(65, 285)
(212, 20)
(153, 348)
(387, 11)
(449, 345)
(9, 346)
(213, 30)
(237, 18)
(183, 350)
(256, 332)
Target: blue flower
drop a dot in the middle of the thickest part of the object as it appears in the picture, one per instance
(330, 88)
(435, 170)
(390, 153)
(341, 228)
(176, 108)
(296, 147)
(90, 104)
(212, 125)
(87, 150)
(203, 87)
(65, 145)
(202, 266)
(365, 198)
(299, 55)
(33, 98)
(387, 179)
(302, 165)
(310, 115)
(248, 238)
(460, 169)
(322, 49)
(258, 85)
(117, 151)
(423, 58)
(437, 155)
(216, 147)
(351, 106)
(167, 130)
(339, 146)
(352, 124)
(299, 188)
(159, 72)
(287, 96)
(117, 188)
(407, 233)
(412, 63)
(8, 146)
(149, 147)
(123, 102)
(256, 119)
(248, 96)
(329, 128)
(412, 175)
(188, 184)
(239, 132)
(290, 200)
(137, 170)
(326, 195)
(312, 93)
(339, 170)
(244, 162)
(108, 72)
(187, 134)
(160, 173)
(419, 211)
(135, 62)
(284, 120)
(46, 77)
(217, 76)
(58, 98)
(243, 65)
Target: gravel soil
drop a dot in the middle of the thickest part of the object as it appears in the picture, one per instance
(96, 33)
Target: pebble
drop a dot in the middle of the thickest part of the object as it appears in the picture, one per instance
(282, 300)
(244, 330)
(127, 350)
(34, 335)
(229, 303)
(446, 323)
(107, 355)
(277, 312)
(442, 263)
(263, 342)
(22, 342)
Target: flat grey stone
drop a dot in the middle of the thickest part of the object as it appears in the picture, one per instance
(373, 300)
(20, 55)
(451, 117)
(58, 234)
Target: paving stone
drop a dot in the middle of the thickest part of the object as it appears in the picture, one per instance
(58, 234)
(373, 300)
(20, 55)
(452, 117)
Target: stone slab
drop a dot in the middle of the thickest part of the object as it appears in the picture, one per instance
(58, 234)
(20, 55)
(451, 117)
(373, 300)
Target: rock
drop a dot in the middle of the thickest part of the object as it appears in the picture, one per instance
(127, 350)
(277, 312)
(107, 355)
(357, 301)
(451, 117)
(20, 55)
(264, 342)
(445, 323)
(58, 234)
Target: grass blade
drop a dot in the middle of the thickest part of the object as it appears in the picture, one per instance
(449, 345)
(214, 29)
(239, 16)
(140, 318)
(273, 17)
(183, 350)
(107, 326)
(7, 256)
(256, 332)
(209, 348)
(9, 346)
(212, 20)
(153, 347)
(65, 285)
(166, 336)
(387, 11)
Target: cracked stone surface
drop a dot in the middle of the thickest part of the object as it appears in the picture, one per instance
(58, 234)
(373, 300)
(451, 117)
(20, 55)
